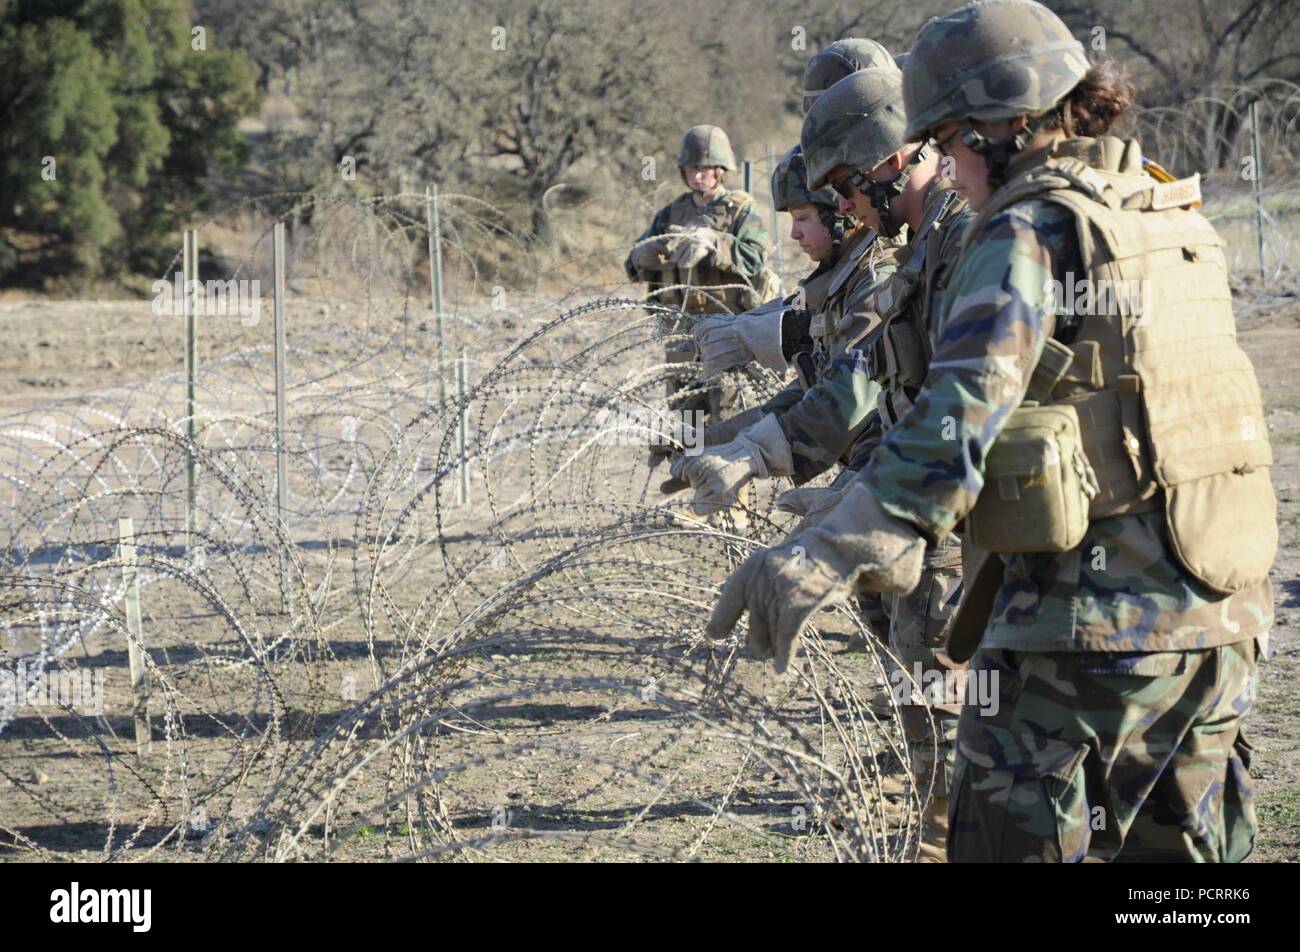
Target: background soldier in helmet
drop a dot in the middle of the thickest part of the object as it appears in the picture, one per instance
(822, 229)
(828, 426)
(819, 226)
(705, 251)
(773, 333)
(1115, 463)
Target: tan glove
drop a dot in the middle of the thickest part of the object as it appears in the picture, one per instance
(719, 473)
(695, 246)
(726, 342)
(813, 503)
(652, 254)
(856, 544)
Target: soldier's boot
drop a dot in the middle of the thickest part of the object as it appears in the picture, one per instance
(934, 831)
(931, 733)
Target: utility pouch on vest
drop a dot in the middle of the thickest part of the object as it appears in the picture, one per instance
(899, 354)
(1037, 480)
(1214, 466)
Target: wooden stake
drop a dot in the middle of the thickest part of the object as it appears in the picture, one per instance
(135, 643)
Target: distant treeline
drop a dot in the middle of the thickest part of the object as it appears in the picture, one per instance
(121, 117)
(115, 113)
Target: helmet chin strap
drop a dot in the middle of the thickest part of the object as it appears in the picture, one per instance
(998, 152)
(838, 225)
(882, 194)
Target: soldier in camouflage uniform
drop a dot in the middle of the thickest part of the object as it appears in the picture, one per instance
(829, 426)
(811, 425)
(705, 251)
(773, 333)
(1121, 643)
(855, 140)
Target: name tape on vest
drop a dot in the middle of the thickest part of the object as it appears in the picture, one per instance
(1178, 194)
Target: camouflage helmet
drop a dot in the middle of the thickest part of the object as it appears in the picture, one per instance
(990, 60)
(790, 185)
(830, 64)
(706, 146)
(858, 122)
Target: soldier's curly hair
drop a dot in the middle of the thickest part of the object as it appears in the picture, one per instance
(1102, 98)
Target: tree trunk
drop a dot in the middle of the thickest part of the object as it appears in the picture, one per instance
(541, 222)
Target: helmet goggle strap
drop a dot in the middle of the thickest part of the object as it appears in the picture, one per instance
(880, 194)
(997, 153)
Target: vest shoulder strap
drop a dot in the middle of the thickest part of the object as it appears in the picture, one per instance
(850, 263)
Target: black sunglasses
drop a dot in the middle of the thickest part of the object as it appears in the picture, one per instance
(942, 144)
(845, 186)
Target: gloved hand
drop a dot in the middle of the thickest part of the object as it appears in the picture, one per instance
(718, 474)
(650, 255)
(663, 448)
(809, 499)
(658, 452)
(856, 544)
(813, 503)
(726, 342)
(695, 245)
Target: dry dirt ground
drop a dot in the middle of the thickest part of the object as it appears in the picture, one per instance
(60, 349)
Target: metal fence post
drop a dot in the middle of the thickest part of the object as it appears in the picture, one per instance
(281, 470)
(1257, 160)
(462, 373)
(774, 230)
(435, 280)
(190, 266)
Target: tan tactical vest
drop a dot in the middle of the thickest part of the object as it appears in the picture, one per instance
(1169, 407)
(900, 356)
(691, 289)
